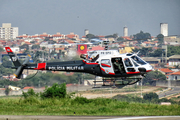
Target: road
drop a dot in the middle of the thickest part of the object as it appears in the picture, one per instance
(174, 90)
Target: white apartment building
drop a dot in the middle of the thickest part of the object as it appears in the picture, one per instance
(7, 32)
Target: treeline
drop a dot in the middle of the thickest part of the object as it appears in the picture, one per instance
(153, 76)
(147, 98)
(47, 79)
(149, 52)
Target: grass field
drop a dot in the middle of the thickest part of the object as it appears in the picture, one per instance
(82, 106)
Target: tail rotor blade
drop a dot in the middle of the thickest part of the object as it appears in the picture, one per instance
(19, 72)
(27, 59)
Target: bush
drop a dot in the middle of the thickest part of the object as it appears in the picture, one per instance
(150, 96)
(30, 93)
(7, 91)
(81, 100)
(30, 100)
(56, 91)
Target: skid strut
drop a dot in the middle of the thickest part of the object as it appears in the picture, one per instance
(118, 81)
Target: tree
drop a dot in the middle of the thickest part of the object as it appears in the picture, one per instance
(56, 90)
(157, 53)
(24, 46)
(160, 38)
(113, 36)
(1, 49)
(150, 96)
(46, 39)
(173, 50)
(35, 47)
(91, 36)
(153, 76)
(142, 36)
(7, 91)
(120, 39)
(6, 63)
(43, 48)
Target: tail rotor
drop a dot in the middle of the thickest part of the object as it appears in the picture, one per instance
(18, 66)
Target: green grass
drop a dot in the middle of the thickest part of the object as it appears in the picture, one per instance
(82, 106)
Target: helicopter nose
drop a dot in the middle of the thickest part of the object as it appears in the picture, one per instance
(150, 68)
(142, 70)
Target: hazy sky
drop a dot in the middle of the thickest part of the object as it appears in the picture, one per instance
(100, 17)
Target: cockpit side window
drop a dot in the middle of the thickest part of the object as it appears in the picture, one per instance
(135, 63)
(127, 62)
(138, 60)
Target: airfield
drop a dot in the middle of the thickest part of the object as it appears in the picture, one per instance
(91, 93)
(14, 117)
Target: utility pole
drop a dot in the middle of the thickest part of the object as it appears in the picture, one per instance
(165, 48)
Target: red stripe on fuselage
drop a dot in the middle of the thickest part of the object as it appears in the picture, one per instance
(105, 65)
(137, 72)
(41, 66)
(90, 63)
(132, 72)
(148, 70)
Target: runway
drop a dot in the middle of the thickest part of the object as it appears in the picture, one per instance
(29, 117)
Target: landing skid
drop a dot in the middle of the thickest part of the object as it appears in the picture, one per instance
(117, 82)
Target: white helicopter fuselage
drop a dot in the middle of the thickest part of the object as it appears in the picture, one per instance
(129, 64)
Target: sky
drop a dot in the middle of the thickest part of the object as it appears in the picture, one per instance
(100, 17)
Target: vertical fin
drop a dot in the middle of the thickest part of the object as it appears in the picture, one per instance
(14, 59)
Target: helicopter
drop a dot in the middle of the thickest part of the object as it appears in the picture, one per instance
(101, 63)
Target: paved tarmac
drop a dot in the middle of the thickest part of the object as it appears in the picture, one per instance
(15, 117)
(174, 90)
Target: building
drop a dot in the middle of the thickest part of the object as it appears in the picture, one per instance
(7, 32)
(175, 76)
(123, 50)
(86, 32)
(174, 60)
(164, 29)
(172, 40)
(165, 71)
(125, 31)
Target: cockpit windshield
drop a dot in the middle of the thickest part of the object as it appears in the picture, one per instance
(138, 60)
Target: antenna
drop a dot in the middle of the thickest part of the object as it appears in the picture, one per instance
(137, 53)
(106, 42)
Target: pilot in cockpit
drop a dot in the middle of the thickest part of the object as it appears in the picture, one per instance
(118, 64)
(127, 62)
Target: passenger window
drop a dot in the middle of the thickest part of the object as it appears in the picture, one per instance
(105, 63)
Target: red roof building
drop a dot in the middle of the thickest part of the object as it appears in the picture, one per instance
(165, 71)
(96, 48)
(174, 76)
(72, 35)
(176, 73)
(26, 88)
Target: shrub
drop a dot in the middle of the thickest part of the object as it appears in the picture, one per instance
(7, 91)
(150, 96)
(30, 93)
(58, 91)
(30, 100)
(81, 100)
(102, 101)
